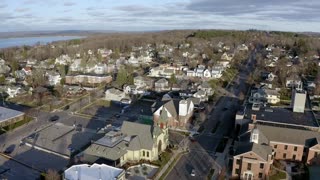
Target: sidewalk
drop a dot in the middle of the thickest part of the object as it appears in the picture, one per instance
(222, 160)
(164, 169)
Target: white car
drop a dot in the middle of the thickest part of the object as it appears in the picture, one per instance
(193, 173)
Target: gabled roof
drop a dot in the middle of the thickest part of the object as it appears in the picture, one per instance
(261, 150)
(141, 135)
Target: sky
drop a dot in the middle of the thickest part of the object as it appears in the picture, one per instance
(149, 15)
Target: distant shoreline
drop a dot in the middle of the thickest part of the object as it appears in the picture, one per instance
(11, 42)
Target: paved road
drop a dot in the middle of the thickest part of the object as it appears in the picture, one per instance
(202, 157)
(14, 170)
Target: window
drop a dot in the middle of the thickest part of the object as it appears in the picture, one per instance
(143, 153)
(286, 147)
(315, 154)
(284, 155)
(261, 165)
(275, 146)
(260, 175)
(147, 154)
(249, 166)
(294, 157)
(237, 171)
(238, 161)
(295, 148)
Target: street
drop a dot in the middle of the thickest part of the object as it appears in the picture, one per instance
(202, 153)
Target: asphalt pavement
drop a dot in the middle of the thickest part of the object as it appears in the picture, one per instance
(202, 153)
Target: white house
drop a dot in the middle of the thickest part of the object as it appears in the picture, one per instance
(63, 59)
(294, 81)
(115, 95)
(161, 85)
(202, 95)
(217, 71)
(14, 91)
(227, 57)
(206, 73)
(100, 68)
(75, 66)
(54, 78)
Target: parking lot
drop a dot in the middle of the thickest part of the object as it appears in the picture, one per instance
(12, 170)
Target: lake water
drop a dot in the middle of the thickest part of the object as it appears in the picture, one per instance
(30, 41)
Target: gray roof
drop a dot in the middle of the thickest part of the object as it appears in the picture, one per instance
(163, 80)
(288, 135)
(111, 153)
(260, 149)
(281, 116)
(141, 135)
(114, 91)
(6, 114)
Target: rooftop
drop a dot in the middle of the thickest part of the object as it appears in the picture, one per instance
(93, 172)
(6, 114)
(281, 116)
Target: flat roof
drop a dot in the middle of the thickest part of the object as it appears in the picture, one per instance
(281, 116)
(6, 114)
(60, 138)
(93, 172)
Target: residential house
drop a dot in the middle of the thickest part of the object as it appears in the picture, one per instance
(242, 47)
(76, 66)
(31, 62)
(87, 79)
(132, 89)
(27, 70)
(202, 95)
(161, 85)
(115, 95)
(93, 172)
(20, 74)
(294, 81)
(199, 71)
(172, 113)
(263, 95)
(204, 86)
(143, 82)
(14, 91)
(4, 69)
(133, 143)
(227, 57)
(100, 68)
(206, 73)
(217, 71)
(63, 59)
(104, 52)
(54, 78)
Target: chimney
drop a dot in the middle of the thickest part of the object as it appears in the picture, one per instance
(254, 136)
(299, 101)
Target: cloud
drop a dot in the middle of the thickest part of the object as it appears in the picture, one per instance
(69, 4)
(22, 9)
(284, 9)
(2, 6)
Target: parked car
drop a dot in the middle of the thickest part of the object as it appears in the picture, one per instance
(54, 118)
(9, 149)
(193, 173)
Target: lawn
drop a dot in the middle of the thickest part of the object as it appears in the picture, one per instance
(278, 175)
(163, 160)
(15, 125)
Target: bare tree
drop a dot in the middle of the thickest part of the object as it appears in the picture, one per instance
(52, 175)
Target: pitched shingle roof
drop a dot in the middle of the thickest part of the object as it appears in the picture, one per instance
(141, 134)
(287, 135)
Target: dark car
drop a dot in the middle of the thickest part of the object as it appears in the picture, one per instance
(54, 118)
(9, 149)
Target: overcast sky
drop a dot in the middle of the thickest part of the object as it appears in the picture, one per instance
(140, 15)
